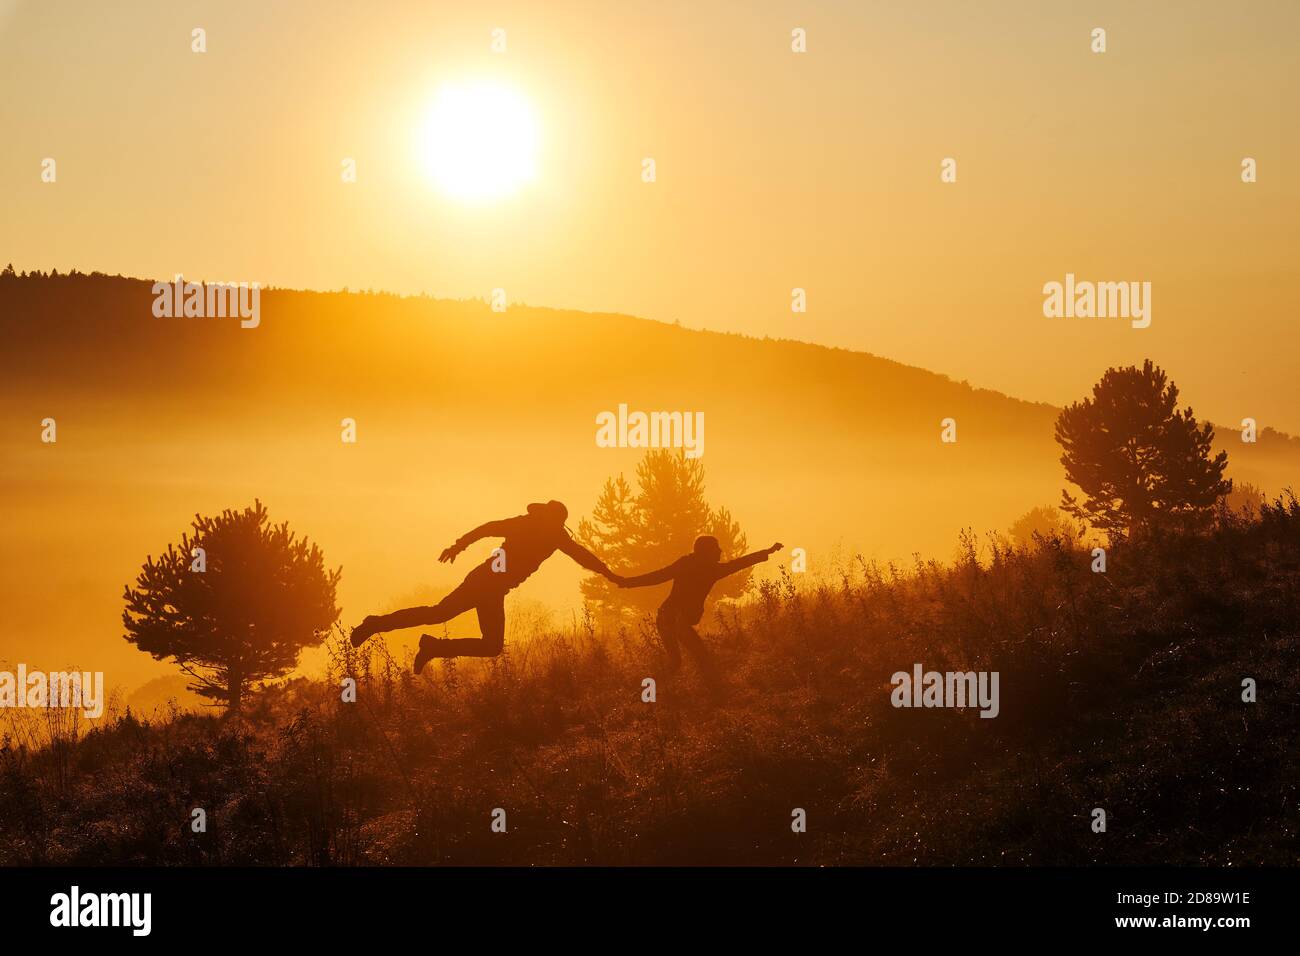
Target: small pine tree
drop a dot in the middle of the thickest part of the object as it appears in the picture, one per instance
(1246, 500)
(1140, 462)
(1044, 522)
(641, 530)
(264, 596)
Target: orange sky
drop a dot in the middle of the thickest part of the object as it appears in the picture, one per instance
(775, 170)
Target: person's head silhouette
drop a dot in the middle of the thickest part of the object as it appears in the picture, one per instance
(552, 512)
(708, 549)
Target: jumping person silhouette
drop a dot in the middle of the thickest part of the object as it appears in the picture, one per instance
(529, 540)
(693, 576)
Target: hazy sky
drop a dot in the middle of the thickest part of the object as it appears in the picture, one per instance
(774, 169)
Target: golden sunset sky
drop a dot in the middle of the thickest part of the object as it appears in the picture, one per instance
(774, 170)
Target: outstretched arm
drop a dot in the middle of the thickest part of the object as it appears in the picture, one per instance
(492, 529)
(652, 577)
(586, 559)
(748, 561)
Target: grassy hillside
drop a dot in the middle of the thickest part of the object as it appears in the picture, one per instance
(1119, 690)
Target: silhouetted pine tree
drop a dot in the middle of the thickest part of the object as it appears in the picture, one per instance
(1140, 462)
(654, 526)
(263, 596)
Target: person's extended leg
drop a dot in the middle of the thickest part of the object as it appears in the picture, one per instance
(492, 625)
(464, 597)
(668, 629)
(703, 659)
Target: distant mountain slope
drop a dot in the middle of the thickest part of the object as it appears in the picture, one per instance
(543, 368)
(160, 694)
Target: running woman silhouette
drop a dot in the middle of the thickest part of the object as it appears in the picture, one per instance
(693, 576)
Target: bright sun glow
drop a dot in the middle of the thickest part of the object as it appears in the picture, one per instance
(479, 142)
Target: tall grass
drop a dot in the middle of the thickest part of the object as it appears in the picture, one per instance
(1119, 690)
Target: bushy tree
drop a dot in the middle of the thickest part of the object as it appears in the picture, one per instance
(1139, 461)
(238, 613)
(1045, 522)
(655, 524)
(1245, 503)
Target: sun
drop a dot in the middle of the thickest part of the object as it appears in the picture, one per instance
(478, 142)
